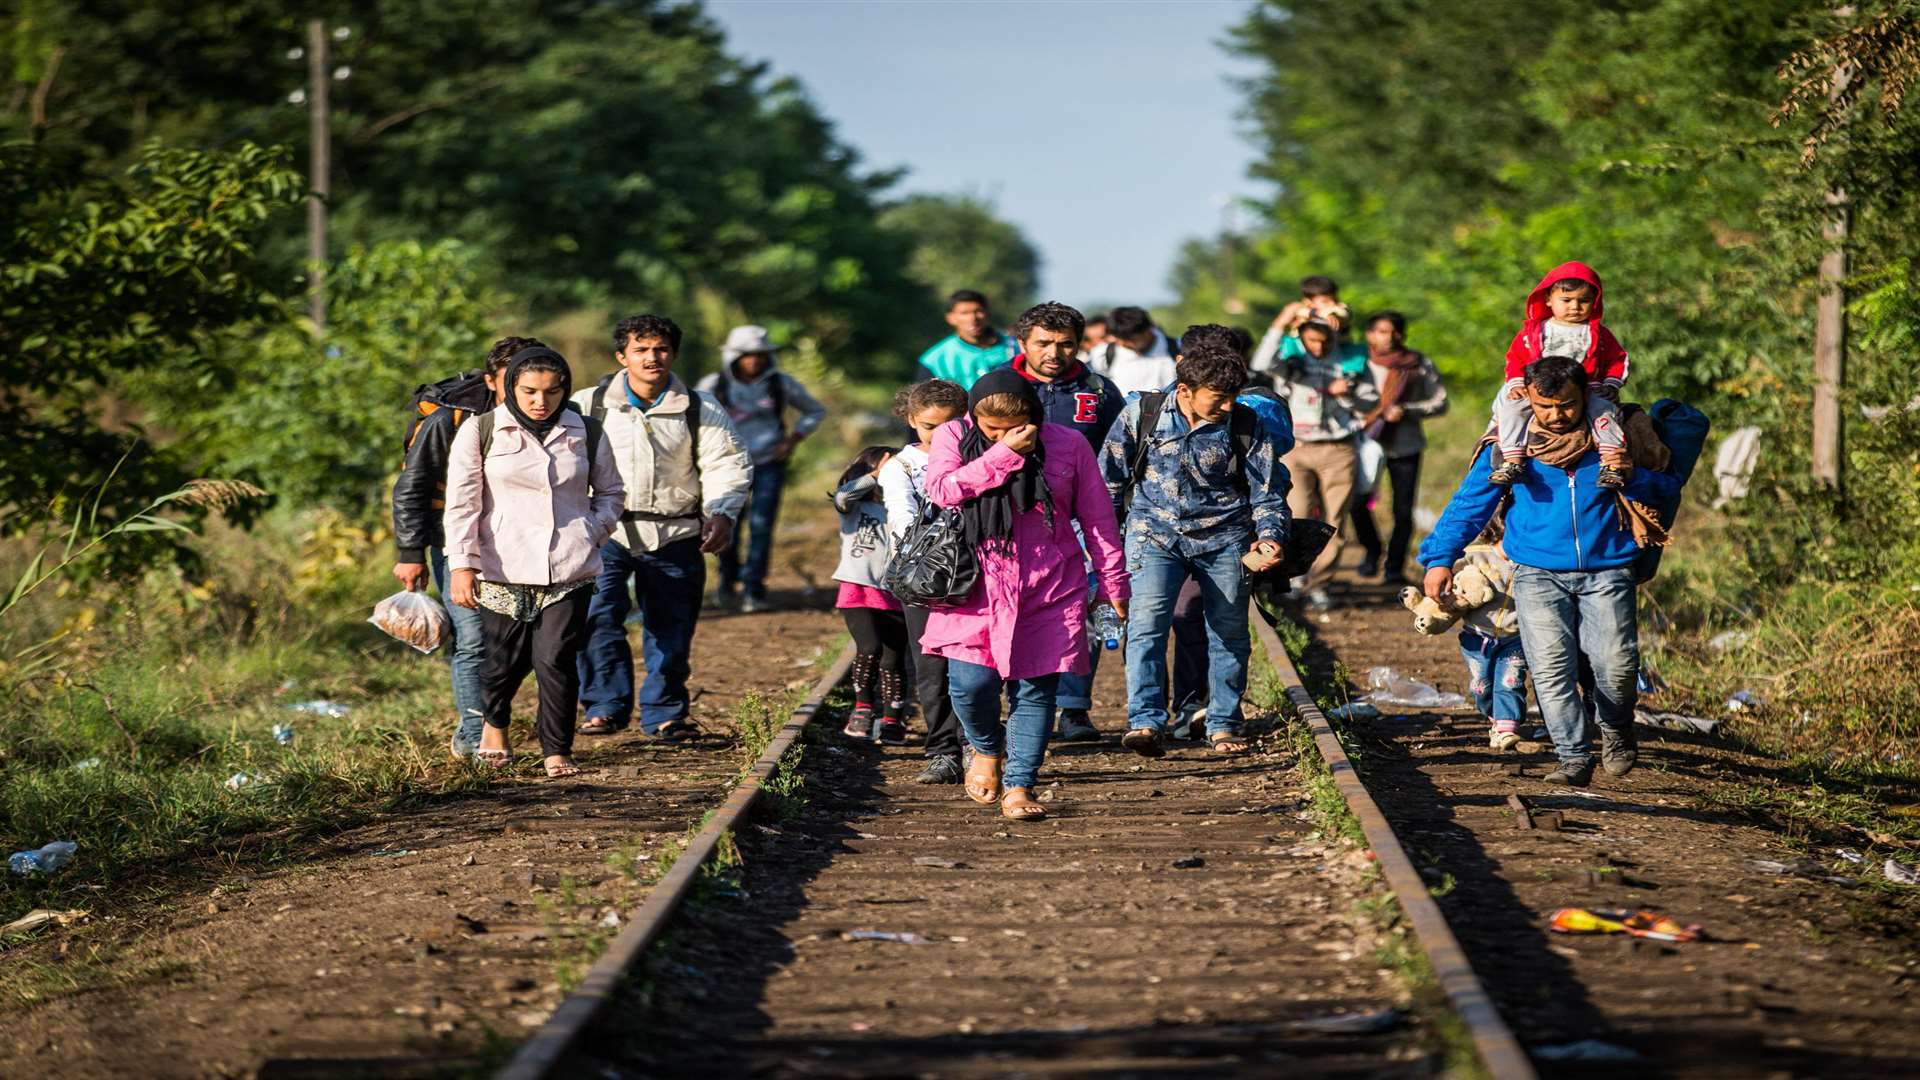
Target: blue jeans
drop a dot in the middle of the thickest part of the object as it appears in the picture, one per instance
(975, 691)
(1498, 667)
(467, 653)
(763, 509)
(668, 582)
(1076, 691)
(1158, 575)
(1565, 615)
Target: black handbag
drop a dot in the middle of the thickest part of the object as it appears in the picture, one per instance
(933, 567)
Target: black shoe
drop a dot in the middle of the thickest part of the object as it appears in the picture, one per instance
(1076, 727)
(1619, 750)
(1507, 472)
(941, 769)
(892, 732)
(1612, 477)
(1370, 566)
(1571, 775)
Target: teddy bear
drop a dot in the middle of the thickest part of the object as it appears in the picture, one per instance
(1471, 589)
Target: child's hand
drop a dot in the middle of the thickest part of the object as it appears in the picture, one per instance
(1022, 438)
(1338, 388)
(1517, 392)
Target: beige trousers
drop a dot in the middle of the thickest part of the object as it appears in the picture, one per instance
(1324, 474)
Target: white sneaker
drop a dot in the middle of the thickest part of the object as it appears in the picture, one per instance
(1318, 601)
(1503, 740)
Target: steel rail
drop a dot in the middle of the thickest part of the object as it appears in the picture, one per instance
(542, 1054)
(1500, 1053)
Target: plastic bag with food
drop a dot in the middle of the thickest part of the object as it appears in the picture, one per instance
(413, 617)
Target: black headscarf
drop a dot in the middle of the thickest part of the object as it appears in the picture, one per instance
(517, 366)
(988, 517)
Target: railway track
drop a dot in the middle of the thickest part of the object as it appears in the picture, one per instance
(1184, 916)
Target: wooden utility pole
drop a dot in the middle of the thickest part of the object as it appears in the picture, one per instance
(1830, 321)
(320, 170)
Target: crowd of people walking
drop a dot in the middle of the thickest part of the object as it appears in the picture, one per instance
(1094, 482)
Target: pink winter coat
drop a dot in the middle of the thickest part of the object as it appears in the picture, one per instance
(1029, 616)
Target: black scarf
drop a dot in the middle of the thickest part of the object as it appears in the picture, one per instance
(515, 367)
(988, 517)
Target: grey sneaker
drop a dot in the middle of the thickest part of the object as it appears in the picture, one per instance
(753, 605)
(941, 769)
(1318, 601)
(722, 600)
(1578, 775)
(1076, 727)
(1619, 750)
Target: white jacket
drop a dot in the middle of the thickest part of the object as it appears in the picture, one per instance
(1132, 372)
(665, 501)
(902, 481)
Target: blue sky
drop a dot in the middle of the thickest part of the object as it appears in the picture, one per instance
(1108, 131)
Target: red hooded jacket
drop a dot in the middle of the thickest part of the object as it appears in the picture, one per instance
(1605, 361)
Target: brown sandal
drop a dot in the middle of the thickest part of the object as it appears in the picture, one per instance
(1017, 805)
(983, 779)
(558, 770)
(1227, 742)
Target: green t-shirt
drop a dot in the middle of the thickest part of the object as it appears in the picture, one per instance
(957, 361)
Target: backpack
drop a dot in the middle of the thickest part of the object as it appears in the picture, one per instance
(594, 431)
(778, 392)
(932, 567)
(465, 393)
(1684, 429)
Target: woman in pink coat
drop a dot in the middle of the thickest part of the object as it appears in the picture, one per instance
(1020, 485)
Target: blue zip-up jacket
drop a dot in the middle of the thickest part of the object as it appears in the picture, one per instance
(1082, 399)
(1560, 520)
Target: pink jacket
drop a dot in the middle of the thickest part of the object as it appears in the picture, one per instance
(524, 516)
(1029, 616)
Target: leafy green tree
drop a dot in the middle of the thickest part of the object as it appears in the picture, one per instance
(595, 154)
(321, 422)
(107, 281)
(957, 242)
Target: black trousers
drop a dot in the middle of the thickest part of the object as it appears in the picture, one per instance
(1404, 474)
(549, 647)
(880, 645)
(930, 679)
(1190, 664)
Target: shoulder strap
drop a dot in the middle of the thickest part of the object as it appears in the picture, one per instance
(778, 391)
(1152, 403)
(594, 430)
(486, 436)
(693, 429)
(1243, 425)
(720, 392)
(597, 407)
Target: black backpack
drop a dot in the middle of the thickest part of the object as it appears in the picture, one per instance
(933, 567)
(465, 393)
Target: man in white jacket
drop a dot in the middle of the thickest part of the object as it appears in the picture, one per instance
(1136, 357)
(687, 476)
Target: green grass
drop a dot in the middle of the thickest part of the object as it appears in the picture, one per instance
(154, 693)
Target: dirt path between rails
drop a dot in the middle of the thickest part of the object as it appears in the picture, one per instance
(1803, 978)
(1084, 945)
(427, 938)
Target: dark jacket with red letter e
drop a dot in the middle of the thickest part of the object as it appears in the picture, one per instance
(1080, 399)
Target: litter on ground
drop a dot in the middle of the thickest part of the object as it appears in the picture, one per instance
(1641, 924)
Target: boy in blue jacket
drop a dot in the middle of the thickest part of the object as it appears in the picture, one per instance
(1573, 581)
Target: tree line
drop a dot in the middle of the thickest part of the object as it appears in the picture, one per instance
(1435, 158)
(497, 165)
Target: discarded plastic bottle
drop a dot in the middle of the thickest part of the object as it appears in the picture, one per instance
(283, 734)
(44, 861)
(1108, 627)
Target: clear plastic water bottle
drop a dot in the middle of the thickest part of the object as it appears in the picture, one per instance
(1108, 627)
(44, 861)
